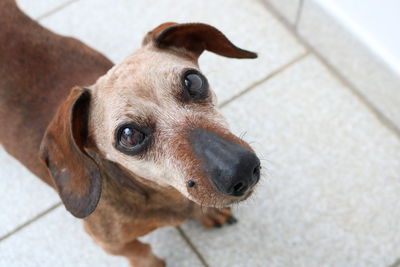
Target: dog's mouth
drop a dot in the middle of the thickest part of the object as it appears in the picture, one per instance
(202, 190)
(224, 201)
(245, 197)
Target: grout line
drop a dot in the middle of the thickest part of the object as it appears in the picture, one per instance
(386, 122)
(37, 217)
(362, 98)
(395, 264)
(286, 23)
(192, 246)
(298, 14)
(257, 83)
(56, 9)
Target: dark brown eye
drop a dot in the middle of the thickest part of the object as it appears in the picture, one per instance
(195, 84)
(130, 139)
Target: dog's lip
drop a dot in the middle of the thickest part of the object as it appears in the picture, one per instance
(236, 200)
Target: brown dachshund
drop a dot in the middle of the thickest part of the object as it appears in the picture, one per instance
(141, 147)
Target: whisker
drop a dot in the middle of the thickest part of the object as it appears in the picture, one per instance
(242, 135)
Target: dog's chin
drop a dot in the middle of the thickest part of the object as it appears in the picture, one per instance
(239, 200)
(220, 201)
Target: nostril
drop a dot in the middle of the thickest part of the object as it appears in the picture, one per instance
(239, 188)
(256, 173)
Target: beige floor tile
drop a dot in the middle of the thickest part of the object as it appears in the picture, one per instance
(117, 30)
(59, 240)
(37, 8)
(286, 8)
(374, 79)
(330, 193)
(23, 196)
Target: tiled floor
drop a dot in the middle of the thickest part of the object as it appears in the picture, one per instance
(330, 192)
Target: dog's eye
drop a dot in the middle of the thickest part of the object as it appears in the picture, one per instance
(195, 84)
(130, 139)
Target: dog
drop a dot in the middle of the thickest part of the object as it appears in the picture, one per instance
(137, 146)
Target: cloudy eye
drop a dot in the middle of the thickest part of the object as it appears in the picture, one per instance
(195, 85)
(193, 82)
(131, 139)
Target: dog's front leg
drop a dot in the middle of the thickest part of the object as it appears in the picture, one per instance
(138, 254)
(121, 239)
(213, 217)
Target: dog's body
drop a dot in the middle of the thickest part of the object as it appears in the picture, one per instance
(150, 172)
(37, 71)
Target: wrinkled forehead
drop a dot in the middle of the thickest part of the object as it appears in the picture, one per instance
(149, 69)
(147, 79)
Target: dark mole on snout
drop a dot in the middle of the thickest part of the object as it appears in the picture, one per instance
(190, 183)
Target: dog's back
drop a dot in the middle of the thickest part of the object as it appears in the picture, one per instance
(37, 70)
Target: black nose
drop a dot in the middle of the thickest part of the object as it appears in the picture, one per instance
(232, 168)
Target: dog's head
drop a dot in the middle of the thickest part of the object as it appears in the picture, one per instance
(155, 115)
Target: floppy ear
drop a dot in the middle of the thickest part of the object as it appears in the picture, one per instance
(194, 38)
(75, 175)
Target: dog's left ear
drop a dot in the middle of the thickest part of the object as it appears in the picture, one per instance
(193, 39)
(75, 174)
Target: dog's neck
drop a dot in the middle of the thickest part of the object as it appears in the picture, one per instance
(12, 18)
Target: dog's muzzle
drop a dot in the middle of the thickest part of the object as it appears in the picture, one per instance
(232, 168)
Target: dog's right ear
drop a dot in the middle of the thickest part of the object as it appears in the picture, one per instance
(75, 175)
